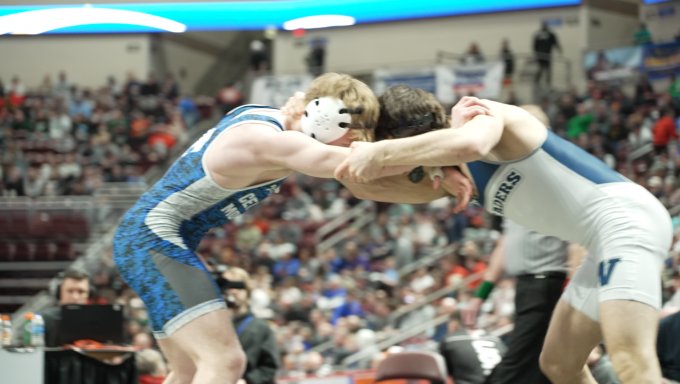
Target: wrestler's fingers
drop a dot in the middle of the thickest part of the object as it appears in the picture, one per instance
(341, 171)
(436, 183)
(474, 111)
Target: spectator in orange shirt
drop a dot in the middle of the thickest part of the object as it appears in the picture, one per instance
(664, 130)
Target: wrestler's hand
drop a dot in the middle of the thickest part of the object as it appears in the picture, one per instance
(361, 165)
(467, 108)
(457, 184)
(295, 106)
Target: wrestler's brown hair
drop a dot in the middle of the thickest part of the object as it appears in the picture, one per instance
(354, 94)
(403, 102)
(537, 112)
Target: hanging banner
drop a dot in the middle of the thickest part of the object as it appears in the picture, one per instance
(613, 64)
(417, 78)
(481, 80)
(662, 60)
(275, 90)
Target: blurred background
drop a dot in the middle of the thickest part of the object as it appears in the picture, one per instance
(97, 100)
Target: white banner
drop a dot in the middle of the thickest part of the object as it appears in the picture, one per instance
(423, 78)
(483, 80)
(275, 90)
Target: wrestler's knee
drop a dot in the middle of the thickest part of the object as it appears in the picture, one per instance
(632, 364)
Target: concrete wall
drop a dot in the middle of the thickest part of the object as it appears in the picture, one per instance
(609, 29)
(663, 19)
(416, 42)
(87, 60)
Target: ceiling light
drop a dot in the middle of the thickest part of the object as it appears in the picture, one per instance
(44, 20)
(320, 21)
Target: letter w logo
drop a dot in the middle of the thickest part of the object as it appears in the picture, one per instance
(606, 269)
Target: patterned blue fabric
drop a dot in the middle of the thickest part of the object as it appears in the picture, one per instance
(134, 239)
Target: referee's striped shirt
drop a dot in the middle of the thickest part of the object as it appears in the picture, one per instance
(529, 252)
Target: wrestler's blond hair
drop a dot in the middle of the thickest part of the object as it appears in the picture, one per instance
(354, 94)
(238, 274)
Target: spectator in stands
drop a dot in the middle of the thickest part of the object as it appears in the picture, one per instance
(472, 56)
(16, 92)
(309, 266)
(316, 57)
(34, 184)
(150, 366)
(664, 130)
(80, 106)
(351, 259)
(256, 337)
(62, 89)
(287, 266)
(544, 42)
(142, 341)
(642, 36)
(422, 281)
(466, 360)
(150, 88)
(13, 183)
(74, 288)
(258, 56)
(580, 123)
(229, 97)
(674, 87)
(509, 60)
(644, 91)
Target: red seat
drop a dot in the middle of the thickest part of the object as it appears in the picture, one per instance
(422, 365)
(24, 252)
(6, 252)
(78, 227)
(64, 251)
(44, 251)
(5, 226)
(59, 227)
(41, 227)
(19, 225)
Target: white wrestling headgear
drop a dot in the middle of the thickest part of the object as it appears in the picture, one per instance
(327, 119)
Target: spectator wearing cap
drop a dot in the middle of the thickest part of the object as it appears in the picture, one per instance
(664, 130)
(256, 337)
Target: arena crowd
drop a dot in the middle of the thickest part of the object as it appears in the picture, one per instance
(349, 296)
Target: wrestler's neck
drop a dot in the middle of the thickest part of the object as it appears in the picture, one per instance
(292, 124)
(242, 310)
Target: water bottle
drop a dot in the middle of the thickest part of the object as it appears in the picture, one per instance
(37, 331)
(5, 331)
(26, 329)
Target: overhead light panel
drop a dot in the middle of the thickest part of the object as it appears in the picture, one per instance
(320, 21)
(44, 20)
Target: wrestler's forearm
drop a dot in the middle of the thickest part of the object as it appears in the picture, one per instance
(444, 147)
(396, 189)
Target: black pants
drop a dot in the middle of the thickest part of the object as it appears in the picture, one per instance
(535, 301)
(543, 66)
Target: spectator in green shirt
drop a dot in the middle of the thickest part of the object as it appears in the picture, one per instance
(579, 123)
(642, 36)
(674, 88)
